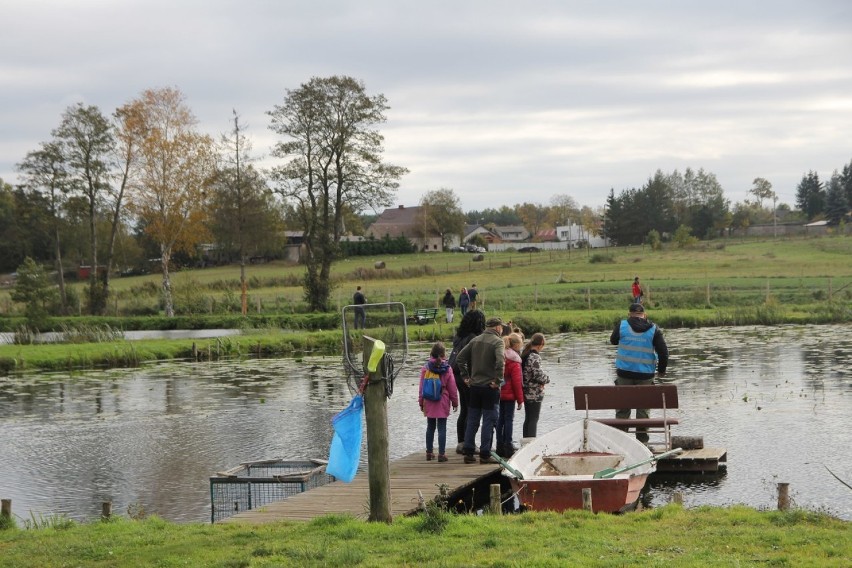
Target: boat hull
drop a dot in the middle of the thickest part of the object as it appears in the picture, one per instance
(608, 495)
(554, 469)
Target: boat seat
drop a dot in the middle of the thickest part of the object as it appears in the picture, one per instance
(616, 397)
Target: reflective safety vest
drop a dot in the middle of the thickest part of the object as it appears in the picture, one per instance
(636, 350)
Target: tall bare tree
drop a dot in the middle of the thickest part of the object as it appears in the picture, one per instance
(232, 175)
(175, 165)
(86, 141)
(333, 160)
(44, 170)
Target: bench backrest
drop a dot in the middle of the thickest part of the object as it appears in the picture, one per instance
(614, 397)
(426, 311)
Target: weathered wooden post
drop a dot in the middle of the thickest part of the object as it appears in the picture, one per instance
(783, 496)
(106, 510)
(677, 498)
(587, 499)
(496, 507)
(378, 461)
(6, 508)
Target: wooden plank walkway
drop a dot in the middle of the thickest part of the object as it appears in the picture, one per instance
(407, 475)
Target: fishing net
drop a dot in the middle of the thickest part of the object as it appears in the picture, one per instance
(385, 322)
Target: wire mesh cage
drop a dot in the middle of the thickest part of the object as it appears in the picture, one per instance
(254, 484)
(386, 322)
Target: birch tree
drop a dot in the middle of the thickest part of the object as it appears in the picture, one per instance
(174, 164)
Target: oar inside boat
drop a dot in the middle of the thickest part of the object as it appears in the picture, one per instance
(509, 468)
(612, 472)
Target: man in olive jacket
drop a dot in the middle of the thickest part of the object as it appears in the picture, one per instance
(481, 364)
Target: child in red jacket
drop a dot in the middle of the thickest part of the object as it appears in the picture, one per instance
(511, 393)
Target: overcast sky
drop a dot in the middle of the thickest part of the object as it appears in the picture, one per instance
(503, 102)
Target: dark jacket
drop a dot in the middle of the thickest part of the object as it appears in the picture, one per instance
(640, 325)
(449, 300)
(482, 360)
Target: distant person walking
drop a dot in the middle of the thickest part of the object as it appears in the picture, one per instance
(637, 291)
(437, 411)
(359, 299)
(464, 301)
(449, 302)
(534, 380)
(473, 293)
(642, 351)
(481, 363)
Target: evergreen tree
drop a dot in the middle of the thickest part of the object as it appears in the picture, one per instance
(810, 196)
(836, 203)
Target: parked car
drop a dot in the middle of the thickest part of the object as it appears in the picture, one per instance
(474, 248)
(457, 249)
(529, 249)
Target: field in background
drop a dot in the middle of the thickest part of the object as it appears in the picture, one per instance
(803, 273)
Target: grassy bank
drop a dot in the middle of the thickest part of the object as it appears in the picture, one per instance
(715, 284)
(273, 342)
(668, 536)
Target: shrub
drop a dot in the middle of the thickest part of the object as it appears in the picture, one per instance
(601, 258)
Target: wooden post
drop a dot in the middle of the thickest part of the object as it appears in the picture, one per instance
(378, 460)
(677, 498)
(194, 351)
(587, 499)
(106, 510)
(589, 296)
(783, 496)
(496, 507)
(708, 293)
(6, 508)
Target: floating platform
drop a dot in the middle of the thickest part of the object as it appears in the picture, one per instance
(704, 460)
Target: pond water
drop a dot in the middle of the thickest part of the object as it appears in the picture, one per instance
(53, 336)
(777, 398)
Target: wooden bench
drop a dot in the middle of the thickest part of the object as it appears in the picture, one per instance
(617, 397)
(423, 315)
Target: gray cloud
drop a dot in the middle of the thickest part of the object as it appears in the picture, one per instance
(503, 102)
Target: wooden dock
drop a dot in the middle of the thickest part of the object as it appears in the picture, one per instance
(407, 475)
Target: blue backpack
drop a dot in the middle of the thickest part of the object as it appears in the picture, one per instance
(432, 388)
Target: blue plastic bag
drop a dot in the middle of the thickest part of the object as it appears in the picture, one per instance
(345, 450)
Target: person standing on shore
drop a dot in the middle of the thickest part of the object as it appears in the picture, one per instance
(473, 293)
(534, 380)
(636, 290)
(449, 302)
(642, 352)
(464, 301)
(360, 313)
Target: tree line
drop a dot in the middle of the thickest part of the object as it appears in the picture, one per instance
(142, 185)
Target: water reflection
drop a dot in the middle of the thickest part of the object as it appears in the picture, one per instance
(778, 399)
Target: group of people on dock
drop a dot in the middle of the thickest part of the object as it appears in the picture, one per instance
(490, 373)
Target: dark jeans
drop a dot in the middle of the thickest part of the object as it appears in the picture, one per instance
(360, 318)
(483, 406)
(464, 401)
(505, 426)
(441, 425)
(532, 408)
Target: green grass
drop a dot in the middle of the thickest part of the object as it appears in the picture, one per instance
(668, 536)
